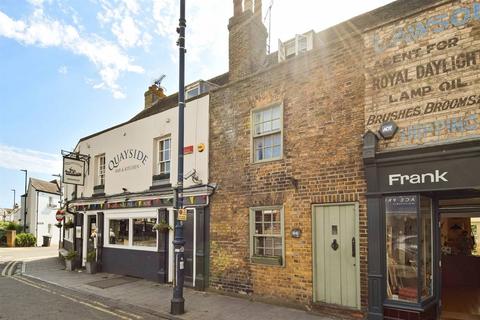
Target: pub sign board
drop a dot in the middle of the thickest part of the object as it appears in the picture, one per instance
(435, 175)
(73, 171)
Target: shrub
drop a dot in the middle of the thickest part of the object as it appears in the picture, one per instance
(72, 254)
(92, 256)
(25, 240)
(11, 226)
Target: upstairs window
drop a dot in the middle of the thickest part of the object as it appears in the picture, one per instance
(100, 170)
(267, 133)
(163, 146)
(293, 47)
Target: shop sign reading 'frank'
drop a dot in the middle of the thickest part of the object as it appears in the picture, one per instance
(423, 73)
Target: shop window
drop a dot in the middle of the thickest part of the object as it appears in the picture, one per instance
(119, 232)
(100, 170)
(409, 244)
(267, 133)
(266, 236)
(163, 156)
(143, 233)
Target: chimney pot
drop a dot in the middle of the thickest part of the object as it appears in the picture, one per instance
(248, 5)
(258, 7)
(237, 7)
(152, 95)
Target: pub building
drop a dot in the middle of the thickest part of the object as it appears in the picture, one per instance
(129, 189)
(422, 163)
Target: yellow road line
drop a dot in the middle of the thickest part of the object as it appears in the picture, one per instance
(22, 280)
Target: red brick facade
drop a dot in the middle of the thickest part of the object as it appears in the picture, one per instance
(323, 123)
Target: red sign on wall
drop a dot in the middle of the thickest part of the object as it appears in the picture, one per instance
(188, 150)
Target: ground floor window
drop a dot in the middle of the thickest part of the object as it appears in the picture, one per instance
(131, 230)
(409, 245)
(266, 236)
(143, 233)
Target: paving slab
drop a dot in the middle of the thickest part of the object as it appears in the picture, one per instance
(156, 297)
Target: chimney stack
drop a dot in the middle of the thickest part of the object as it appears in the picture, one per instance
(247, 39)
(152, 95)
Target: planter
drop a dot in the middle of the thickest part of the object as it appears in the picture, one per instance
(11, 235)
(69, 265)
(91, 267)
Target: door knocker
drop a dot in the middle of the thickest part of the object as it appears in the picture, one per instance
(334, 245)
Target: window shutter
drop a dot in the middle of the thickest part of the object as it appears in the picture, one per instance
(281, 51)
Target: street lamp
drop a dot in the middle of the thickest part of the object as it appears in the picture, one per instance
(177, 304)
(25, 204)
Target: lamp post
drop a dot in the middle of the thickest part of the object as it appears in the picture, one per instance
(177, 304)
(59, 176)
(25, 204)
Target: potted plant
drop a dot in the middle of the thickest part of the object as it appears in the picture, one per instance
(162, 226)
(69, 260)
(11, 233)
(69, 224)
(91, 264)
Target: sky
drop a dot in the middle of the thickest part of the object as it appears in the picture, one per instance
(71, 68)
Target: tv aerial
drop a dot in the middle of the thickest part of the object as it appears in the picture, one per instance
(158, 81)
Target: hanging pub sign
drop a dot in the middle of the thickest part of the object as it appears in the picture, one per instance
(73, 171)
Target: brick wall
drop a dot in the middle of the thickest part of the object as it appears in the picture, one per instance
(423, 72)
(322, 96)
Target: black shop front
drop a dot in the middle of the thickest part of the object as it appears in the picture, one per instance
(423, 212)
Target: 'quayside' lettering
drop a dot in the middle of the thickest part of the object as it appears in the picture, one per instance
(127, 154)
(435, 177)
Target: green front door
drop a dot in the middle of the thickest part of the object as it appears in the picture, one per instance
(336, 266)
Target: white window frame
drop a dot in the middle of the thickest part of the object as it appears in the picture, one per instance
(252, 230)
(130, 215)
(161, 153)
(100, 170)
(254, 136)
(282, 46)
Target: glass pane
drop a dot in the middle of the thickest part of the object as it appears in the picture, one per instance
(143, 233)
(275, 124)
(268, 228)
(276, 215)
(258, 143)
(267, 153)
(268, 141)
(258, 216)
(258, 129)
(402, 247)
(167, 167)
(267, 114)
(257, 117)
(276, 152)
(259, 245)
(267, 126)
(276, 112)
(119, 232)
(258, 228)
(259, 155)
(276, 228)
(277, 139)
(426, 247)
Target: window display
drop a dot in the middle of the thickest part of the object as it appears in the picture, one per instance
(409, 244)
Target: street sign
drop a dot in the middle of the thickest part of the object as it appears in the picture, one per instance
(182, 215)
(60, 215)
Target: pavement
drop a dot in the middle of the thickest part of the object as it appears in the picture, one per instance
(151, 297)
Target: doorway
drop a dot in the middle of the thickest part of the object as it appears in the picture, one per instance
(460, 257)
(190, 246)
(89, 235)
(336, 252)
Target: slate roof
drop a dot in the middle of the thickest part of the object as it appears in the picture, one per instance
(45, 186)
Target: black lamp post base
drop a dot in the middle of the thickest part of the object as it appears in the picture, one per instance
(177, 306)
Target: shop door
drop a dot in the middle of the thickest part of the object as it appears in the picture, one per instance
(189, 233)
(336, 264)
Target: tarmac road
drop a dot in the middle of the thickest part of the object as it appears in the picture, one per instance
(25, 298)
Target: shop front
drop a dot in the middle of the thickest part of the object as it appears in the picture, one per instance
(414, 199)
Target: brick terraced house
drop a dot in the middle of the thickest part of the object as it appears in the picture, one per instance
(351, 143)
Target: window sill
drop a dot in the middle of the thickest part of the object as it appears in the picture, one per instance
(259, 162)
(271, 261)
(162, 176)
